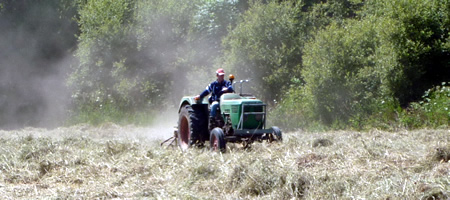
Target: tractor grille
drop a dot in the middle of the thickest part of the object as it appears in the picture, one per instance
(254, 109)
(252, 117)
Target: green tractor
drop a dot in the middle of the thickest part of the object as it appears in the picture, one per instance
(241, 119)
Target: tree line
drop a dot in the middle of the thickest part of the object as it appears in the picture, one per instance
(318, 63)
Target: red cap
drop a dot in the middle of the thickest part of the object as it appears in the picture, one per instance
(220, 72)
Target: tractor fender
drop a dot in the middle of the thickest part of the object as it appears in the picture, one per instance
(189, 100)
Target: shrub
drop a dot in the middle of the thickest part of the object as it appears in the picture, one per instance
(341, 73)
(432, 111)
(364, 71)
(266, 47)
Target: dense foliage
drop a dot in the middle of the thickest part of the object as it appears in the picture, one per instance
(135, 55)
(372, 66)
(266, 47)
(332, 63)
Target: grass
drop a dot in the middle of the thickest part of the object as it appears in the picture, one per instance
(83, 162)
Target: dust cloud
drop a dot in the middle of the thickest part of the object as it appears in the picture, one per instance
(162, 129)
(36, 45)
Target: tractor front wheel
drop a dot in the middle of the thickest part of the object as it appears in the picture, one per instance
(217, 140)
(276, 136)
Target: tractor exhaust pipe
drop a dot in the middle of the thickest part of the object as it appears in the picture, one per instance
(240, 86)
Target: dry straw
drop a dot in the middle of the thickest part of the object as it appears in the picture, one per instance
(107, 162)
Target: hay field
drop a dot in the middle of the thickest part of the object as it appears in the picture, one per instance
(114, 162)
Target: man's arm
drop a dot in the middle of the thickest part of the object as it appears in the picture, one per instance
(228, 87)
(206, 91)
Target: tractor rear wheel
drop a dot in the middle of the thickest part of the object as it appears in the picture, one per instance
(277, 136)
(217, 140)
(190, 128)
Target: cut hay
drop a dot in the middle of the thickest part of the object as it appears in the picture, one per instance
(85, 162)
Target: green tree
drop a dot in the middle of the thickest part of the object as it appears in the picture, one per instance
(210, 24)
(105, 43)
(136, 54)
(266, 47)
(420, 44)
(371, 64)
(342, 73)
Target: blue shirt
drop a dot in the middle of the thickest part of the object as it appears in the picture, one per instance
(215, 89)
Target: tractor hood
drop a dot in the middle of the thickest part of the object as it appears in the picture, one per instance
(234, 104)
(236, 99)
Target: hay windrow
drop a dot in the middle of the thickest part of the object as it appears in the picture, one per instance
(85, 162)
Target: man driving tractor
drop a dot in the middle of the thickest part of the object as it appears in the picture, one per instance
(241, 118)
(216, 89)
